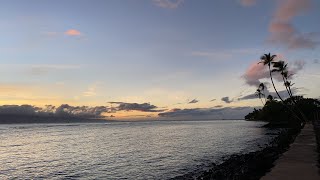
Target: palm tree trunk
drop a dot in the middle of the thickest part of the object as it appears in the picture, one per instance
(262, 102)
(290, 91)
(284, 81)
(274, 87)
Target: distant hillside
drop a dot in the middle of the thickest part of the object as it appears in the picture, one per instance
(15, 119)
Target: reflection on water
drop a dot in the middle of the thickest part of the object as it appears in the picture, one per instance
(134, 150)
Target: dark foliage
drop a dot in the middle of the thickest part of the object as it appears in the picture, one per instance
(278, 113)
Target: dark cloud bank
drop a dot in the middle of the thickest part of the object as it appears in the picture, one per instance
(67, 113)
(144, 107)
(207, 113)
(51, 114)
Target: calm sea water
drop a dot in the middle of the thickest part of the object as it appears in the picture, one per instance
(120, 150)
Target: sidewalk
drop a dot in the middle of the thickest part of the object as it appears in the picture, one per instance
(300, 161)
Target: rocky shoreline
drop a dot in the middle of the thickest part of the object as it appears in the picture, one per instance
(249, 166)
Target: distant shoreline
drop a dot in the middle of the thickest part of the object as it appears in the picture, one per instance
(35, 119)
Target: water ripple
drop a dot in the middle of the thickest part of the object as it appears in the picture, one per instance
(123, 150)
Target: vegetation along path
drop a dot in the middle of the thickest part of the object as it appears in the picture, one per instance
(300, 161)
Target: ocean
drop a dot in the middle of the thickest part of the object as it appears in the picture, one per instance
(124, 150)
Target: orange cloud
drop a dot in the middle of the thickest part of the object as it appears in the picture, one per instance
(72, 32)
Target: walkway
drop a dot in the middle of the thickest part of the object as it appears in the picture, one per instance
(300, 161)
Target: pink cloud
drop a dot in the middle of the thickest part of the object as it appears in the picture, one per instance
(72, 32)
(254, 73)
(248, 2)
(283, 32)
(286, 34)
(257, 71)
(168, 4)
(279, 27)
(287, 9)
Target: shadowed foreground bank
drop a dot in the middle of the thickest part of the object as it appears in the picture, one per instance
(253, 165)
(300, 161)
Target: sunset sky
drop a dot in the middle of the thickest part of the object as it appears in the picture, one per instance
(139, 58)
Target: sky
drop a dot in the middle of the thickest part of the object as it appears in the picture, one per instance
(140, 59)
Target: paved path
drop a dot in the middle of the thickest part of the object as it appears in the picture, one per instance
(300, 161)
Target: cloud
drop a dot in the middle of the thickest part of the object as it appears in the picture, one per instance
(226, 100)
(282, 30)
(144, 107)
(63, 110)
(212, 100)
(72, 32)
(286, 34)
(248, 2)
(92, 90)
(19, 110)
(115, 102)
(283, 93)
(316, 61)
(213, 113)
(168, 4)
(66, 110)
(193, 101)
(254, 73)
(257, 71)
(287, 9)
(297, 66)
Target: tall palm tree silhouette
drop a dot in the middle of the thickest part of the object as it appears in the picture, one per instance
(267, 59)
(288, 83)
(281, 67)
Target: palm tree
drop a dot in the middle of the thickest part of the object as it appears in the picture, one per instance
(260, 94)
(267, 59)
(281, 67)
(270, 98)
(287, 83)
(262, 87)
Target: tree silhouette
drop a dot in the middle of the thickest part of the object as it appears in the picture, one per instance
(262, 87)
(270, 98)
(267, 59)
(281, 68)
(260, 94)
